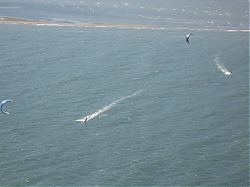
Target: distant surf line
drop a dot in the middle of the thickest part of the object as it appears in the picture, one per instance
(100, 111)
(30, 22)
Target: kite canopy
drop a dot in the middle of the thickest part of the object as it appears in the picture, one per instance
(187, 37)
(2, 105)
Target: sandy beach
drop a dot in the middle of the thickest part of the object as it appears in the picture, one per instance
(22, 21)
(30, 22)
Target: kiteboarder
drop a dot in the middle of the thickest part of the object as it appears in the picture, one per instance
(86, 119)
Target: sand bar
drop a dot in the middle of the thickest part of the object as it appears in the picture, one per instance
(24, 21)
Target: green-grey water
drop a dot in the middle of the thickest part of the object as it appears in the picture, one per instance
(176, 119)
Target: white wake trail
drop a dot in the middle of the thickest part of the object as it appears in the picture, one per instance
(221, 67)
(106, 108)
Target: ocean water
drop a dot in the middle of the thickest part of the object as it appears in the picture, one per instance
(160, 112)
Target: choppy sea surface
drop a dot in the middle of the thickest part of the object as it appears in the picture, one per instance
(159, 111)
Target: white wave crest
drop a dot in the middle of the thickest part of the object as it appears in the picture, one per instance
(106, 108)
(221, 67)
(10, 7)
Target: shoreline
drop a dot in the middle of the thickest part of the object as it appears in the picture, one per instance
(31, 22)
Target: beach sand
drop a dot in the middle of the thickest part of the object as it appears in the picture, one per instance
(24, 21)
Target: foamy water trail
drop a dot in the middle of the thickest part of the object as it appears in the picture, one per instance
(221, 67)
(106, 108)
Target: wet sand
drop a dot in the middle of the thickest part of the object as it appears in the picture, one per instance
(22, 21)
(30, 22)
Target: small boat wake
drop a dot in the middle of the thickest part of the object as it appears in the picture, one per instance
(99, 112)
(221, 67)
